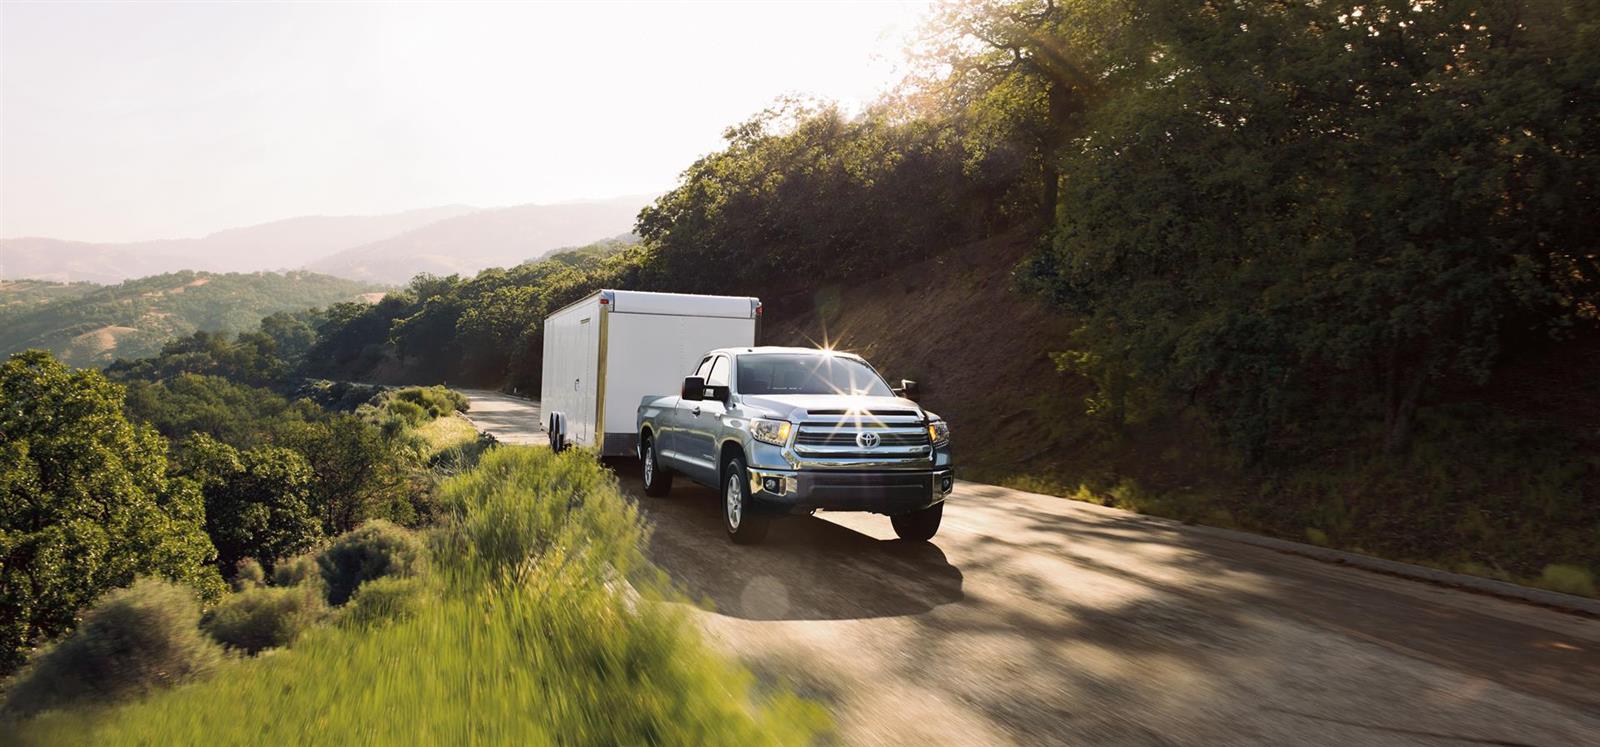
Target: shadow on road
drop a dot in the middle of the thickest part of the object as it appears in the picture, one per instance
(808, 569)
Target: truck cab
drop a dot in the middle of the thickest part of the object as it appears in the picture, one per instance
(796, 430)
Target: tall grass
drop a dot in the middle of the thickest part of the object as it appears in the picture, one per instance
(533, 641)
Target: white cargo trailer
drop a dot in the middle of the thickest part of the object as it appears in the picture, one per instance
(603, 354)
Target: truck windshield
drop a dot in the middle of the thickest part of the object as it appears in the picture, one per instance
(803, 373)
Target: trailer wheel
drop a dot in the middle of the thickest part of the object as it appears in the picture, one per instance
(657, 478)
(558, 435)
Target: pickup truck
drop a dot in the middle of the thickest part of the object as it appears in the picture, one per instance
(797, 430)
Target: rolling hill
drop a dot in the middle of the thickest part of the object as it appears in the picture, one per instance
(279, 245)
(500, 237)
(91, 326)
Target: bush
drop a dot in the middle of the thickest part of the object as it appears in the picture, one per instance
(247, 574)
(413, 414)
(386, 599)
(555, 655)
(297, 571)
(131, 641)
(263, 618)
(1568, 579)
(518, 504)
(436, 400)
(375, 549)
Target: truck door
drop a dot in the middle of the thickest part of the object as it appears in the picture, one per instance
(668, 425)
(698, 426)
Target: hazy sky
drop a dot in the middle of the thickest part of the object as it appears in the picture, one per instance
(140, 121)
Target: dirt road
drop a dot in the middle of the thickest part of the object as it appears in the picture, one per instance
(1032, 619)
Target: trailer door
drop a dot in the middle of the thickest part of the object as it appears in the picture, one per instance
(583, 420)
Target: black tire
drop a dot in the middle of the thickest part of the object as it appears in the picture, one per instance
(557, 443)
(745, 524)
(920, 525)
(657, 478)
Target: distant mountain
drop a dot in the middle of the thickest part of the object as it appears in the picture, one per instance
(90, 326)
(500, 237)
(279, 245)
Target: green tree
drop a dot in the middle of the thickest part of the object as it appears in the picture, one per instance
(258, 501)
(85, 503)
(359, 474)
(804, 194)
(236, 414)
(1299, 212)
(292, 333)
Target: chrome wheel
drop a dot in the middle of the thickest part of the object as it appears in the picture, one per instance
(733, 500)
(649, 466)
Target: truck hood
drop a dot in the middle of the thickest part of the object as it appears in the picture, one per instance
(795, 406)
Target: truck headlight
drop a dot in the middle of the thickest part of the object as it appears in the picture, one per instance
(770, 431)
(939, 432)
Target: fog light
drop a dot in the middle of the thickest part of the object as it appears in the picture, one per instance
(772, 484)
(945, 483)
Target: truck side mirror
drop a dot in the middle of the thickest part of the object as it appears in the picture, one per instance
(907, 389)
(694, 389)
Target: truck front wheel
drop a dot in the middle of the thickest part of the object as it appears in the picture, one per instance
(745, 525)
(919, 525)
(657, 478)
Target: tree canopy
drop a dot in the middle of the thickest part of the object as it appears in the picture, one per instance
(86, 504)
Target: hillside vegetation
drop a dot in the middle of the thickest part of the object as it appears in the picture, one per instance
(135, 318)
(1325, 274)
(263, 558)
(18, 297)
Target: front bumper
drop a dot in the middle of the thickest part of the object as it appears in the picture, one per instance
(878, 491)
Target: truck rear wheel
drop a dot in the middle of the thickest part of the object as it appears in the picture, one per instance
(745, 525)
(657, 478)
(919, 525)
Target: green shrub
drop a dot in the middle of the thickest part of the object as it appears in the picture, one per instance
(460, 457)
(518, 504)
(298, 570)
(263, 618)
(130, 642)
(410, 412)
(1569, 579)
(375, 549)
(552, 654)
(436, 400)
(387, 599)
(247, 574)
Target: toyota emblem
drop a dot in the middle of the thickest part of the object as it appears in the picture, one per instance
(867, 440)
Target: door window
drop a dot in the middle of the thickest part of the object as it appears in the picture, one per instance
(719, 372)
(703, 370)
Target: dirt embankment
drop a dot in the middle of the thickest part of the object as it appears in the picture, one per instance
(979, 350)
(982, 353)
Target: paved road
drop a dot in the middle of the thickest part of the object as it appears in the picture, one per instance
(1037, 620)
(512, 420)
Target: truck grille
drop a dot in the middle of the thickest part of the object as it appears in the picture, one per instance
(901, 441)
(829, 437)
